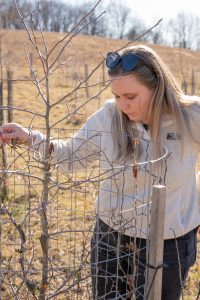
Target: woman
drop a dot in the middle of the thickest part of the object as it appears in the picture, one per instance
(149, 112)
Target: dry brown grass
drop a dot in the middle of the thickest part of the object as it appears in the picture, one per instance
(82, 50)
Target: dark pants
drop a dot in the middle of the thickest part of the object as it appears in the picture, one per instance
(118, 264)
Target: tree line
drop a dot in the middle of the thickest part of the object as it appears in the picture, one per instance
(118, 22)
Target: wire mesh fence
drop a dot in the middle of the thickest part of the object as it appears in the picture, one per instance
(46, 248)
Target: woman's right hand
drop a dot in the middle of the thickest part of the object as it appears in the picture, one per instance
(12, 132)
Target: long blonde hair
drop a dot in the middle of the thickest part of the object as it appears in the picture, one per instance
(168, 99)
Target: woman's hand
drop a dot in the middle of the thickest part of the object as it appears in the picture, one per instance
(12, 132)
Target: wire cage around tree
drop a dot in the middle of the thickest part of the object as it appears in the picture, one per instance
(46, 246)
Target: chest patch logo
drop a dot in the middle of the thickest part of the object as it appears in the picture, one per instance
(174, 136)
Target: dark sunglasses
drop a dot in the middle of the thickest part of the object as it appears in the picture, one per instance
(129, 61)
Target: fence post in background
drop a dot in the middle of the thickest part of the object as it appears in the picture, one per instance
(193, 82)
(31, 64)
(72, 117)
(86, 83)
(75, 85)
(10, 95)
(184, 86)
(3, 160)
(156, 243)
(103, 74)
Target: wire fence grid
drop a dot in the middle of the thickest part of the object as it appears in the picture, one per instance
(65, 254)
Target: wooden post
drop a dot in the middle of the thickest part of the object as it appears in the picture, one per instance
(193, 82)
(156, 243)
(31, 64)
(184, 86)
(10, 95)
(86, 83)
(3, 160)
(72, 117)
(75, 85)
(103, 74)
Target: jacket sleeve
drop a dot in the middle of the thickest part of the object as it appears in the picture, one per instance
(79, 151)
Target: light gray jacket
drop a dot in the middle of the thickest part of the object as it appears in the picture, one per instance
(123, 201)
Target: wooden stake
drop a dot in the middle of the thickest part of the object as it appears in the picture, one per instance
(86, 83)
(193, 82)
(31, 64)
(10, 95)
(156, 244)
(3, 158)
(103, 74)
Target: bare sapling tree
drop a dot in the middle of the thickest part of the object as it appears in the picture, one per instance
(50, 61)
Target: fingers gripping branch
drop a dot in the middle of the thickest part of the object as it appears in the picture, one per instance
(15, 134)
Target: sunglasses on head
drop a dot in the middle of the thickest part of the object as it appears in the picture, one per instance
(128, 61)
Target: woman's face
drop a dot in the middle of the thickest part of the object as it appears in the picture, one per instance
(132, 97)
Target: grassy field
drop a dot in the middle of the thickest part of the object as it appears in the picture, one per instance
(81, 51)
(67, 249)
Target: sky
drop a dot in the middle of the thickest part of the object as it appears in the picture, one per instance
(153, 10)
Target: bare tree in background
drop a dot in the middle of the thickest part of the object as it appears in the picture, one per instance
(58, 13)
(182, 30)
(156, 36)
(137, 27)
(8, 15)
(196, 40)
(45, 14)
(72, 14)
(119, 18)
(120, 22)
(53, 15)
(93, 26)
